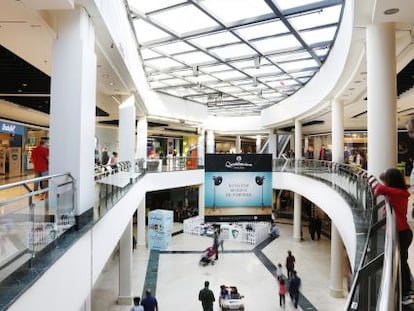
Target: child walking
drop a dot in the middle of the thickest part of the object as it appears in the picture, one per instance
(282, 292)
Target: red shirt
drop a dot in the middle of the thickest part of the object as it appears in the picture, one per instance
(398, 199)
(40, 159)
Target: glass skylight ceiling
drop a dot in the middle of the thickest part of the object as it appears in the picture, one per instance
(237, 57)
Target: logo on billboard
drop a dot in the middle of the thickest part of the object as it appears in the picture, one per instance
(238, 165)
(8, 127)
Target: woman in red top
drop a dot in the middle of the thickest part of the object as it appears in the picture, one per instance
(395, 190)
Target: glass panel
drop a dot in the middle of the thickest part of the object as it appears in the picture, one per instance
(304, 80)
(307, 73)
(147, 32)
(321, 51)
(320, 35)
(185, 91)
(227, 75)
(243, 64)
(215, 39)
(288, 4)
(174, 82)
(282, 43)
(234, 51)
(234, 10)
(263, 70)
(216, 68)
(148, 6)
(157, 84)
(158, 77)
(178, 19)
(263, 30)
(289, 56)
(293, 66)
(230, 89)
(194, 58)
(176, 47)
(162, 63)
(202, 78)
(322, 17)
(147, 53)
(242, 82)
(184, 73)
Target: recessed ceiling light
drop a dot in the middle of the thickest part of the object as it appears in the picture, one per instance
(19, 91)
(24, 84)
(111, 83)
(391, 11)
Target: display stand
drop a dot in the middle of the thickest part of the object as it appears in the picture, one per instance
(160, 225)
(15, 161)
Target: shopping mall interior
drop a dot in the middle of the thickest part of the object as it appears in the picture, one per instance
(324, 87)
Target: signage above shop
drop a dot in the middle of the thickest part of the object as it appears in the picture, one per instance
(11, 128)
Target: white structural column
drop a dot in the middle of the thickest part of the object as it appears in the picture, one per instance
(258, 144)
(127, 131)
(125, 266)
(272, 139)
(201, 204)
(238, 144)
(73, 102)
(382, 101)
(141, 223)
(337, 253)
(201, 148)
(297, 200)
(142, 136)
(210, 142)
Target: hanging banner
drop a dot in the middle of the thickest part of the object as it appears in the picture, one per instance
(238, 187)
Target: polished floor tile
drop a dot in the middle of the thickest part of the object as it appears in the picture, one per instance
(180, 277)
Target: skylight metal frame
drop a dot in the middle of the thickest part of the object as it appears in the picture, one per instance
(249, 92)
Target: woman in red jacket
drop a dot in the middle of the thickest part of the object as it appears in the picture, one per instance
(395, 190)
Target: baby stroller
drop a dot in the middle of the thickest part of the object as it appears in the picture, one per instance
(208, 256)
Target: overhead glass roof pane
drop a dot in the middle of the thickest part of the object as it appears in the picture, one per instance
(234, 51)
(230, 89)
(263, 70)
(184, 73)
(157, 84)
(307, 73)
(158, 77)
(194, 58)
(294, 66)
(320, 35)
(202, 79)
(176, 47)
(234, 10)
(319, 18)
(283, 57)
(282, 43)
(175, 82)
(149, 6)
(147, 53)
(242, 82)
(215, 68)
(228, 75)
(216, 39)
(162, 63)
(288, 4)
(321, 51)
(263, 30)
(185, 91)
(147, 32)
(184, 19)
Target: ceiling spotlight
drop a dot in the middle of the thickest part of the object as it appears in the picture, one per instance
(257, 62)
(111, 83)
(24, 84)
(391, 11)
(196, 72)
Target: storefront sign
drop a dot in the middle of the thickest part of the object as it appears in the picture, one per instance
(11, 128)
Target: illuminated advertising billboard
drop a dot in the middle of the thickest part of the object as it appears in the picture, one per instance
(238, 187)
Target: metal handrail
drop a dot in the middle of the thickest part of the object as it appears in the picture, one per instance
(28, 181)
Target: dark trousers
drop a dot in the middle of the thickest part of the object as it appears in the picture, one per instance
(282, 299)
(290, 272)
(216, 249)
(295, 298)
(405, 239)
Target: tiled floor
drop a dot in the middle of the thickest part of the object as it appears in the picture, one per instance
(180, 277)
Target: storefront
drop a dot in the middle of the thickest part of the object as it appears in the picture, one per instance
(12, 137)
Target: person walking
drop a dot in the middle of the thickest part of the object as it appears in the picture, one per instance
(395, 190)
(137, 306)
(282, 292)
(206, 296)
(216, 243)
(318, 226)
(149, 303)
(40, 160)
(294, 285)
(290, 264)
